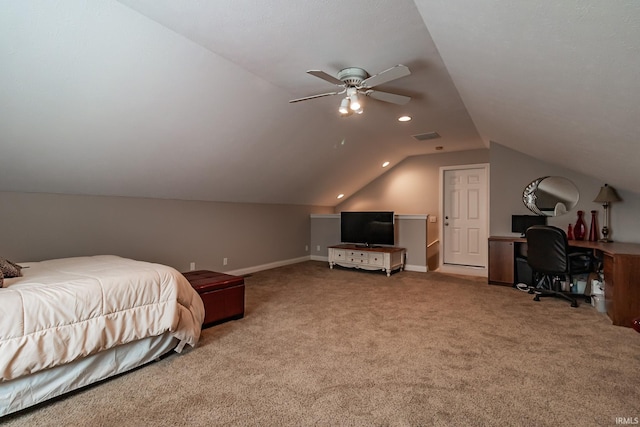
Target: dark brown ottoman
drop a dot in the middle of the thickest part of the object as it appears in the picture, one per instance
(222, 294)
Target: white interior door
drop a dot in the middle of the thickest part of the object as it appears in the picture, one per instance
(465, 216)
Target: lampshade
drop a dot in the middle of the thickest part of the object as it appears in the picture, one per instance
(355, 103)
(607, 195)
(344, 106)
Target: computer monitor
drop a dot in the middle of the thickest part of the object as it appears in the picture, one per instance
(520, 223)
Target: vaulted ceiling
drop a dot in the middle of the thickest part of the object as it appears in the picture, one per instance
(189, 99)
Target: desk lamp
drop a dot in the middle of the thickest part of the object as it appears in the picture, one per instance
(606, 196)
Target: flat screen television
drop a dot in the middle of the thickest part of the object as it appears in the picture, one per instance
(520, 223)
(367, 228)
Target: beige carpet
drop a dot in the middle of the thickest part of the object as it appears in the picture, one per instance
(322, 347)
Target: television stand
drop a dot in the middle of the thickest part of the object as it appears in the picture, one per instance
(382, 258)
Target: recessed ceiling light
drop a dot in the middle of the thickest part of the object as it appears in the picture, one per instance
(340, 196)
(385, 164)
(404, 118)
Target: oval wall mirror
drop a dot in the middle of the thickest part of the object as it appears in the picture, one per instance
(550, 196)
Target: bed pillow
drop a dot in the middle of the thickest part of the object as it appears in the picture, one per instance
(10, 269)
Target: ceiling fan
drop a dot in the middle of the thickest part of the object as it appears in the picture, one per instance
(354, 81)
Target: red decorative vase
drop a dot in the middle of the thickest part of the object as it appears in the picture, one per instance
(580, 229)
(593, 230)
(570, 232)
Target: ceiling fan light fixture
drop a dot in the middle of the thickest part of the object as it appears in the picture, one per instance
(355, 103)
(354, 80)
(344, 106)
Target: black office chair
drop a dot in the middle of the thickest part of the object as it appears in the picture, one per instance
(550, 259)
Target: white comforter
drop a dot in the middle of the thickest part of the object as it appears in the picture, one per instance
(65, 309)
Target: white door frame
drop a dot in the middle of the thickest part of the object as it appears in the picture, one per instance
(467, 270)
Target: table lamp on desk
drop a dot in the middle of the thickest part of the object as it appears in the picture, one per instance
(606, 196)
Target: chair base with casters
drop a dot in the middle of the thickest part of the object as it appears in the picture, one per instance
(548, 286)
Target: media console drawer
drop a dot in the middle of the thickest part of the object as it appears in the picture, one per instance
(381, 258)
(357, 254)
(377, 260)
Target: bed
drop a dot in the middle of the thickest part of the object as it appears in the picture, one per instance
(67, 323)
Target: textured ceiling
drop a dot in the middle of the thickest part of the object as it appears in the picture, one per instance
(555, 80)
(188, 99)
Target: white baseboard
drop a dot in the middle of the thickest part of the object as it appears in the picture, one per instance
(249, 270)
(464, 270)
(418, 268)
(319, 258)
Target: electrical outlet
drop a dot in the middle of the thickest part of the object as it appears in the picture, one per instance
(192, 266)
(318, 248)
(224, 261)
(306, 248)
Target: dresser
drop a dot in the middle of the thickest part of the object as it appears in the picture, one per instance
(367, 258)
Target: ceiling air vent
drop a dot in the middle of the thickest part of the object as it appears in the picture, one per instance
(426, 136)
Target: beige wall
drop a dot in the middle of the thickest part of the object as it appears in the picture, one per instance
(412, 187)
(44, 226)
(512, 171)
(325, 232)
(173, 232)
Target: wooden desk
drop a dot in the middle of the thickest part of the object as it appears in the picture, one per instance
(621, 263)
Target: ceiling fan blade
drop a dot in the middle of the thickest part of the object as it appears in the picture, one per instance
(386, 76)
(393, 98)
(324, 76)
(314, 96)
